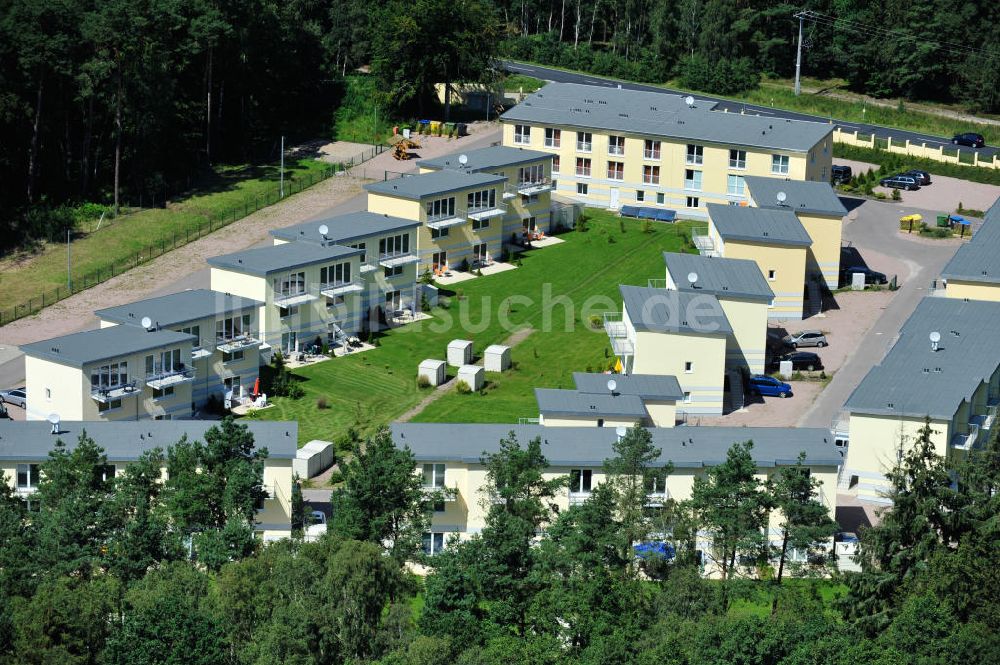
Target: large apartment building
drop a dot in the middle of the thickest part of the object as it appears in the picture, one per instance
(116, 373)
(449, 456)
(944, 366)
(225, 353)
(25, 446)
(614, 147)
(527, 191)
(974, 271)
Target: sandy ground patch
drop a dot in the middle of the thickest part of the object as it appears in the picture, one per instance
(384, 166)
(341, 151)
(943, 194)
(767, 411)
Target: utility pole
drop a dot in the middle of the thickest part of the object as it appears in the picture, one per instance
(281, 180)
(798, 57)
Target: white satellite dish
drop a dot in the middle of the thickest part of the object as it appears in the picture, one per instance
(692, 277)
(935, 337)
(323, 230)
(463, 159)
(612, 385)
(689, 100)
(147, 322)
(621, 431)
(53, 418)
(781, 197)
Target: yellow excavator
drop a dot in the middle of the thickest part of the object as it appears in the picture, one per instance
(403, 147)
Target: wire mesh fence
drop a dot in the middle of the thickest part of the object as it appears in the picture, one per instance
(211, 223)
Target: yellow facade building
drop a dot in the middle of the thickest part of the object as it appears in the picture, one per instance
(309, 292)
(775, 240)
(674, 333)
(945, 366)
(527, 191)
(25, 446)
(821, 213)
(614, 147)
(115, 373)
(743, 293)
(388, 260)
(974, 272)
(460, 214)
(225, 353)
(449, 456)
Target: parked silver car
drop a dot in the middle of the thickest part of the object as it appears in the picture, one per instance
(15, 396)
(805, 338)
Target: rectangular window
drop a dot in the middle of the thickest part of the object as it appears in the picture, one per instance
(485, 199)
(289, 342)
(163, 392)
(651, 149)
(434, 475)
(693, 202)
(735, 185)
(692, 179)
(194, 331)
(531, 174)
(480, 252)
(779, 164)
(695, 154)
(109, 376)
(580, 480)
(393, 271)
(583, 167)
(439, 260)
(289, 285)
(616, 170)
(640, 195)
(582, 188)
(27, 476)
(479, 224)
(771, 274)
(364, 251)
(433, 542)
(394, 245)
(737, 159)
(522, 134)
(555, 164)
(109, 405)
(660, 198)
(655, 482)
(439, 233)
(235, 356)
(440, 209)
(233, 326)
(285, 312)
(584, 141)
(528, 200)
(232, 383)
(553, 137)
(688, 367)
(616, 145)
(651, 175)
(687, 398)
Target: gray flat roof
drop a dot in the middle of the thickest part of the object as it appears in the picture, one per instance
(913, 380)
(344, 229)
(800, 195)
(178, 308)
(657, 114)
(485, 159)
(552, 402)
(645, 386)
(722, 277)
(430, 184)
(774, 227)
(126, 440)
(90, 346)
(659, 310)
(979, 259)
(685, 447)
(276, 258)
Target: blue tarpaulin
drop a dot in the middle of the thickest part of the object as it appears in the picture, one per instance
(655, 549)
(656, 214)
(958, 219)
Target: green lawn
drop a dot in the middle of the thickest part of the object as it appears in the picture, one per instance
(377, 386)
(760, 595)
(231, 193)
(521, 83)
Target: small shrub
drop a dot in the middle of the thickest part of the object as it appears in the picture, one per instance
(444, 303)
(596, 322)
(582, 224)
(464, 265)
(880, 196)
(336, 477)
(423, 382)
(322, 404)
(519, 262)
(647, 226)
(463, 388)
(295, 391)
(460, 294)
(479, 272)
(896, 196)
(621, 225)
(427, 277)
(611, 240)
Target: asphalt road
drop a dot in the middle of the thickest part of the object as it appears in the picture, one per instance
(560, 76)
(873, 229)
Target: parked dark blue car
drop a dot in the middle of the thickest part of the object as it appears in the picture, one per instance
(767, 386)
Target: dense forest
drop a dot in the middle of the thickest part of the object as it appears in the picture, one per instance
(129, 570)
(111, 100)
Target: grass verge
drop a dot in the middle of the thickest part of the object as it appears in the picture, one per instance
(555, 291)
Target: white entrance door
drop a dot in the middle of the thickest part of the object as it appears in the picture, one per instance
(613, 203)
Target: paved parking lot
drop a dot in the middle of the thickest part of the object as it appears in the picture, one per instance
(942, 195)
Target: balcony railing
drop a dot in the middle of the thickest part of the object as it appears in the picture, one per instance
(660, 283)
(577, 498)
(232, 343)
(446, 220)
(293, 299)
(162, 378)
(105, 394)
(966, 441)
(703, 242)
(584, 146)
(618, 150)
(617, 331)
(342, 288)
(648, 153)
(447, 494)
(657, 499)
(393, 259)
(199, 352)
(530, 187)
(481, 212)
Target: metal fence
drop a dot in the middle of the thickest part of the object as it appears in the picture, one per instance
(211, 223)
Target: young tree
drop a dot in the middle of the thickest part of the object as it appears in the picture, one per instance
(383, 500)
(731, 504)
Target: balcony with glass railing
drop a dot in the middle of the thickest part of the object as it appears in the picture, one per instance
(446, 220)
(236, 341)
(703, 242)
(107, 393)
(293, 298)
(534, 186)
(966, 440)
(487, 211)
(166, 376)
(400, 258)
(621, 342)
(341, 288)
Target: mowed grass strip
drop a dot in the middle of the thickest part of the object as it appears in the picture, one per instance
(554, 292)
(232, 193)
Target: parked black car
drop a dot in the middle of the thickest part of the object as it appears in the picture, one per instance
(840, 174)
(801, 360)
(970, 139)
(871, 276)
(900, 181)
(923, 177)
